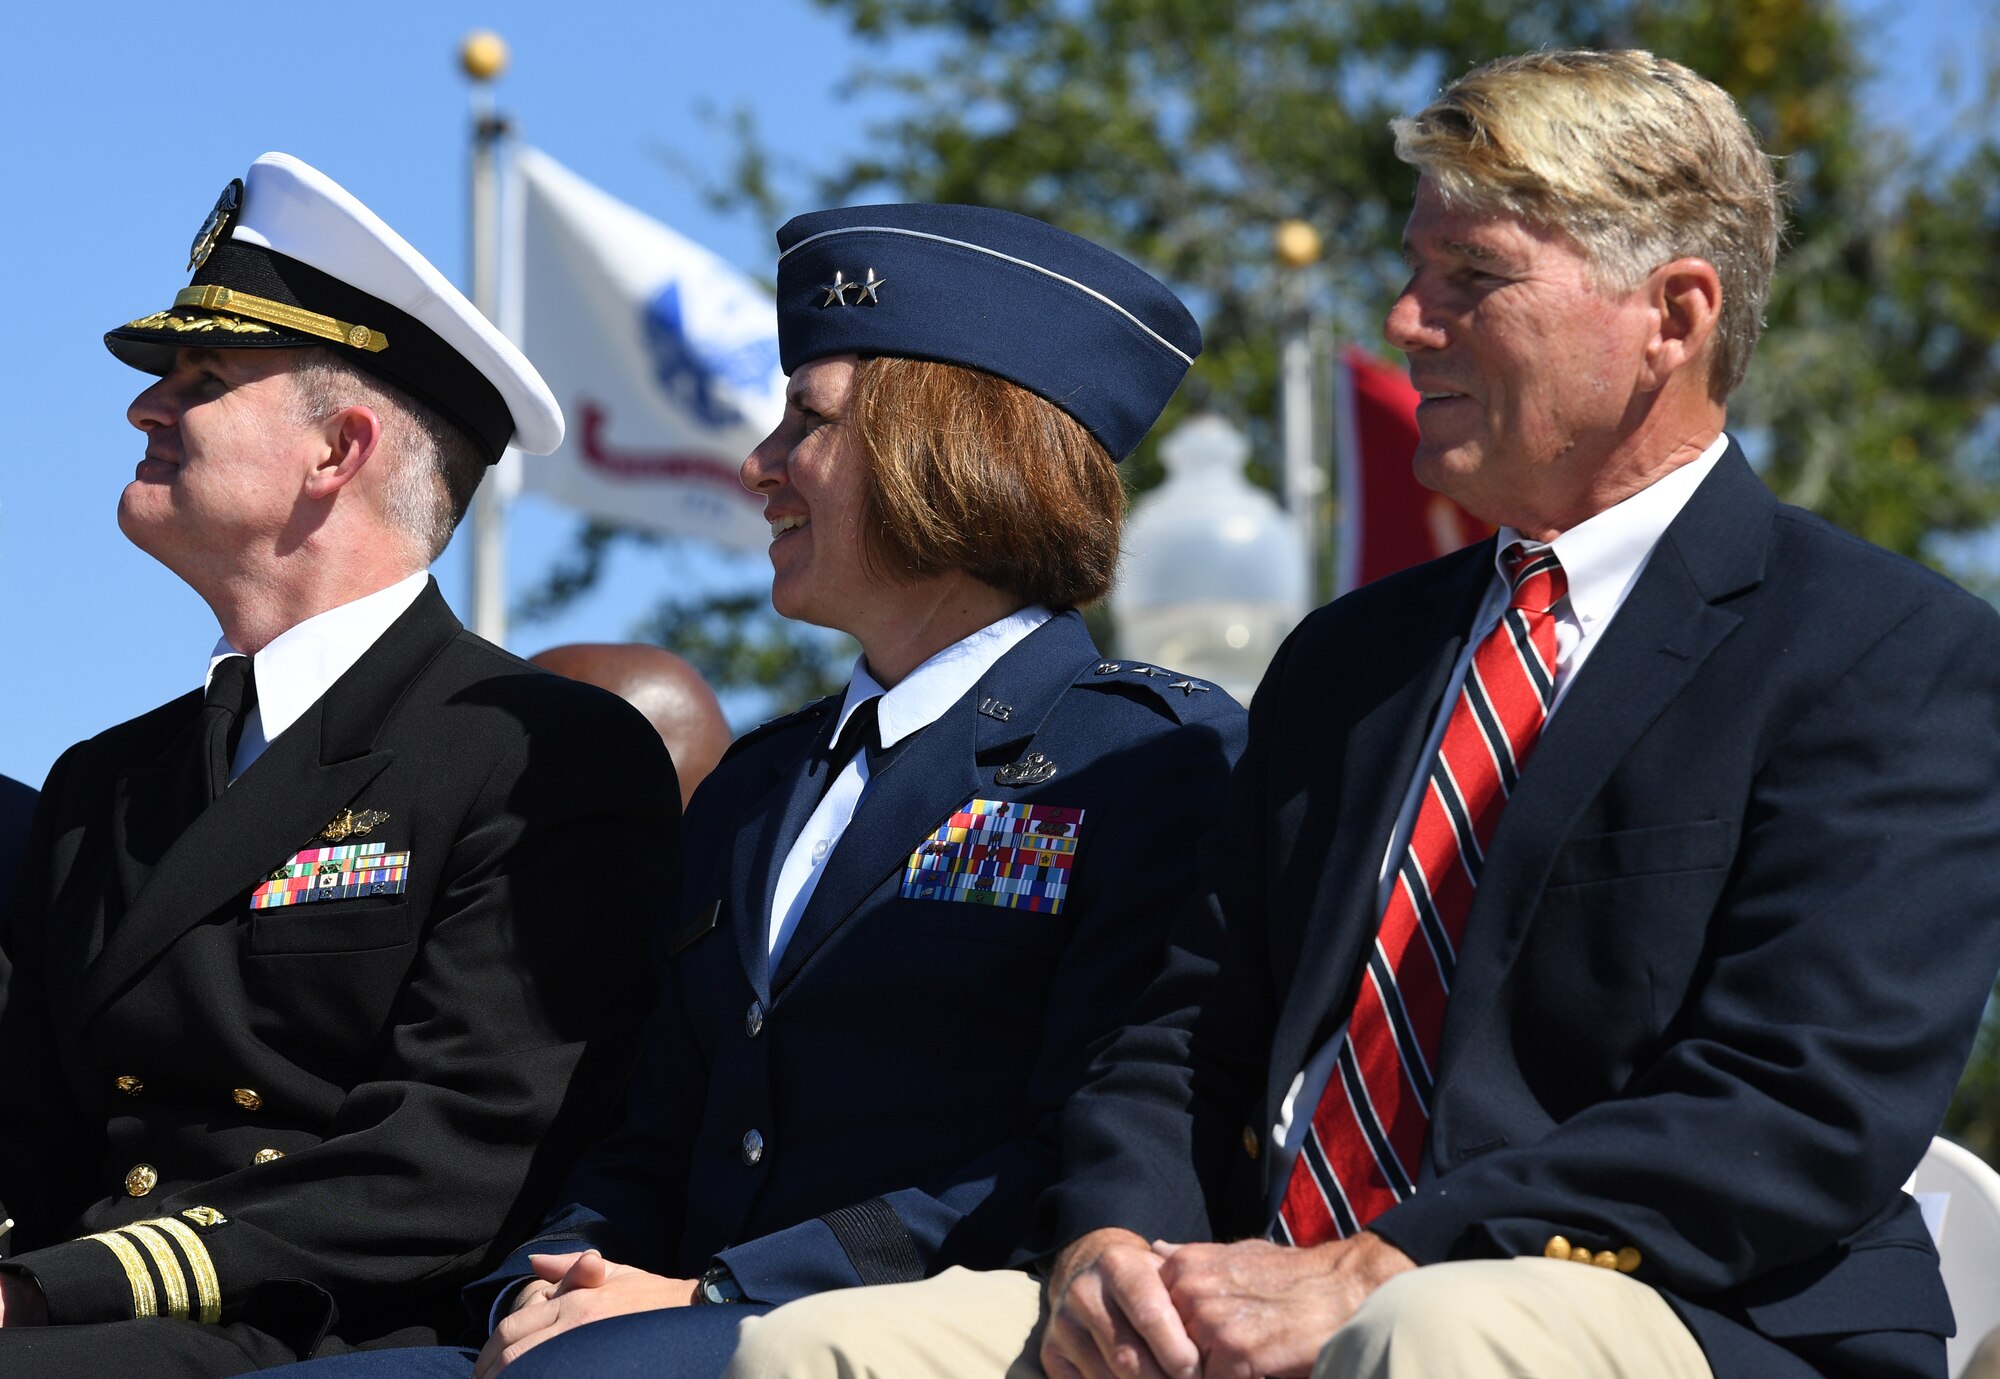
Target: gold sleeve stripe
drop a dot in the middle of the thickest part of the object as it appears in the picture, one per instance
(144, 1303)
(208, 1287)
(172, 1281)
(215, 297)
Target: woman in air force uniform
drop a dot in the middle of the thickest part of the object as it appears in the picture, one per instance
(910, 911)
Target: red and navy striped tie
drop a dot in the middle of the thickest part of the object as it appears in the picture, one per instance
(1367, 1138)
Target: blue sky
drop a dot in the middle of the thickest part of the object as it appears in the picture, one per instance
(125, 121)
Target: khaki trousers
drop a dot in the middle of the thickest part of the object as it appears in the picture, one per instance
(1478, 1319)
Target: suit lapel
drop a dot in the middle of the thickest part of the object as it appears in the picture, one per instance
(1657, 643)
(936, 773)
(314, 769)
(1408, 665)
(773, 820)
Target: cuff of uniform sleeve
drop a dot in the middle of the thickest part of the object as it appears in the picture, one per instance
(84, 1281)
(503, 1301)
(1427, 1228)
(790, 1263)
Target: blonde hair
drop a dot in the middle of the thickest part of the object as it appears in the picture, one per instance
(1636, 158)
(966, 471)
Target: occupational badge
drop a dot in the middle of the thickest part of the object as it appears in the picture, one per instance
(998, 852)
(349, 823)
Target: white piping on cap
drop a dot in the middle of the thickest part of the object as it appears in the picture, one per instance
(995, 253)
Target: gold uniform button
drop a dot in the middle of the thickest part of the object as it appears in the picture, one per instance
(1604, 1259)
(1250, 1144)
(1557, 1248)
(247, 1099)
(265, 1156)
(130, 1085)
(141, 1180)
(1579, 1254)
(1628, 1259)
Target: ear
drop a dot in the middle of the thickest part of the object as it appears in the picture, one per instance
(351, 436)
(1686, 301)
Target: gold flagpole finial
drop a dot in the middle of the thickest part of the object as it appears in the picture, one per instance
(483, 55)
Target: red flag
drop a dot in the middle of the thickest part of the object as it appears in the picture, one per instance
(1389, 521)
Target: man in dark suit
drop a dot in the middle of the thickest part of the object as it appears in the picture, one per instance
(1602, 914)
(17, 807)
(319, 978)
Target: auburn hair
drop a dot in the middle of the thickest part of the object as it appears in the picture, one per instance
(966, 471)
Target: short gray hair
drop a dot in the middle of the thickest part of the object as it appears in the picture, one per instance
(1636, 158)
(434, 466)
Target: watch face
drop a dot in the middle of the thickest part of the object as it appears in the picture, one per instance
(217, 225)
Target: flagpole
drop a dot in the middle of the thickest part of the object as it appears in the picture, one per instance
(1298, 249)
(483, 57)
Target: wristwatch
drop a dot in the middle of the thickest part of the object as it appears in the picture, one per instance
(718, 1285)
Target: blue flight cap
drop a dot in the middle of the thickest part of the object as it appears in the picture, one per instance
(1067, 320)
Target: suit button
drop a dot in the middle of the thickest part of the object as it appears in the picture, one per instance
(247, 1099)
(130, 1085)
(753, 1147)
(1628, 1259)
(753, 1019)
(1557, 1248)
(265, 1156)
(141, 1180)
(1250, 1144)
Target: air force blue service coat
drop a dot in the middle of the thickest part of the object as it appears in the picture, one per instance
(326, 1112)
(1731, 943)
(885, 1102)
(17, 808)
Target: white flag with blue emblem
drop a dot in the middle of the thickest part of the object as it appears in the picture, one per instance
(664, 357)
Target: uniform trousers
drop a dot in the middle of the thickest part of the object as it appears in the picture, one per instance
(671, 1343)
(1474, 1319)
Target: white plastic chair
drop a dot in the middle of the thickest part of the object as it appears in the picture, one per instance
(1963, 1212)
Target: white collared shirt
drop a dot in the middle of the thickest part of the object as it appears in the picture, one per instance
(1602, 558)
(302, 662)
(916, 702)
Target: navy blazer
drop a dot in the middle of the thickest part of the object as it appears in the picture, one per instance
(1730, 947)
(905, 1065)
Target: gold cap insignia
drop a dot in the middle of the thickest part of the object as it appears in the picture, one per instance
(350, 824)
(217, 225)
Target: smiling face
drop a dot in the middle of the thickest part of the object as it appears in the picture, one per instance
(810, 475)
(224, 453)
(1529, 374)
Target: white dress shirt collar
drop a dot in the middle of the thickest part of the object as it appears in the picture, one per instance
(921, 697)
(1603, 555)
(301, 663)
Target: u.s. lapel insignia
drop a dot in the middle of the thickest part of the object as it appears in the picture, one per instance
(350, 823)
(1031, 769)
(998, 852)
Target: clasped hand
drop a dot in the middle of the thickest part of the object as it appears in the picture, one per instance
(1121, 1309)
(572, 1290)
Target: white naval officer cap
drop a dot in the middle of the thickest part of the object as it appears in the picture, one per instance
(290, 258)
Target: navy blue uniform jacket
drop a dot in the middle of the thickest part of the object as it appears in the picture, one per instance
(1730, 947)
(905, 1065)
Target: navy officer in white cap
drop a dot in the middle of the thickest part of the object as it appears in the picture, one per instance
(911, 910)
(323, 971)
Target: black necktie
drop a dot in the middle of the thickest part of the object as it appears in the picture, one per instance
(232, 694)
(858, 732)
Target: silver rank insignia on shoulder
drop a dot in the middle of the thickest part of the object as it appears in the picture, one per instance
(350, 824)
(1108, 667)
(1187, 687)
(1031, 769)
(217, 225)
